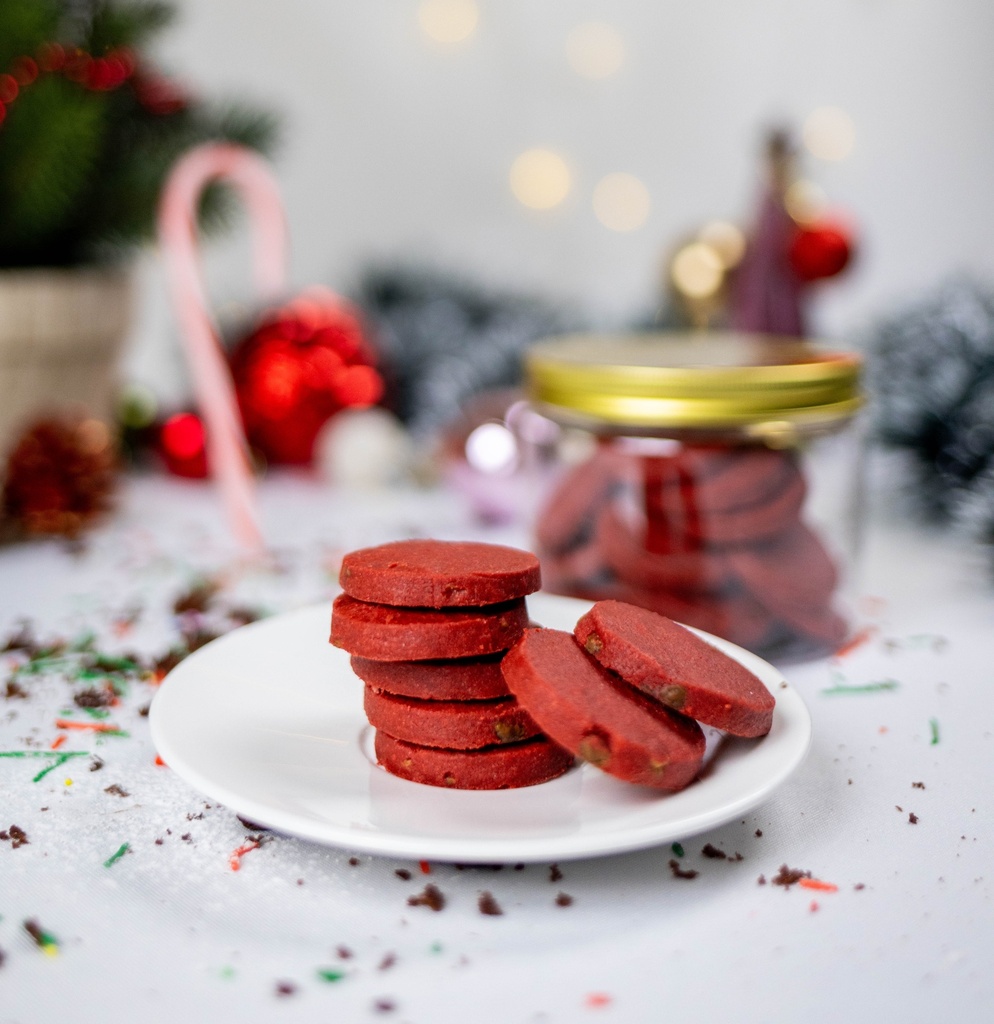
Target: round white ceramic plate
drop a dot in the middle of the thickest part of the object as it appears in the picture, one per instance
(268, 720)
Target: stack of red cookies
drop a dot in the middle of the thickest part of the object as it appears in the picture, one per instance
(427, 623)
(710, 536)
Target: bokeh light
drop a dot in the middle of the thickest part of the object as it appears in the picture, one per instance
(491, 448)
(805, 201)
(829, 133)
(621, 202)
(540, 179)
(595, 49)
(726, 239)
(448, 21)
(697, 270)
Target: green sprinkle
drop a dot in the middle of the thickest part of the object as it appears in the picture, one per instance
(227, 973)
(329, 974)
(883, 686)
(58, 758)
(677, 850)
(435, 947)
(97, 712)
(934, 726)
(117, 855)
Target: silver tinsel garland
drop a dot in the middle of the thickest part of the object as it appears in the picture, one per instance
(931, 377)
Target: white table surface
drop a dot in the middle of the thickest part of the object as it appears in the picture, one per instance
(170, 932)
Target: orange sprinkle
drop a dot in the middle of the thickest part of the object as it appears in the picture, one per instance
(235, 860)
(160, 762)
(62, 723)
(595, 1000)
(58, 741)
(425, 867)
(865, 634)
(817, 885)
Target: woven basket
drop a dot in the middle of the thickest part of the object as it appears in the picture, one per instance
(61, 333)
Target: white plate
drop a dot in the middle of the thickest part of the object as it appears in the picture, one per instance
(268, 720)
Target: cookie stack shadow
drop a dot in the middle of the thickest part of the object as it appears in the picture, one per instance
(426, 624)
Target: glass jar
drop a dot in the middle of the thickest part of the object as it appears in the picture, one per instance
(715, 478)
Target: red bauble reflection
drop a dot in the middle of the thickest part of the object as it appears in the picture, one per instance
(305, 362)
(182, 445)
(820, 250)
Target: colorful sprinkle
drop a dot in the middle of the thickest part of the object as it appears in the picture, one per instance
(597, 1000)
(235, 860)
(160, 762)
(117, 855)
(865, 634)
(330, 975)
(817, 885)
(677, 850)
(105, 728)
(882, 686)
(58, 741)
(45, 941)
(934, 726)
(425, 867)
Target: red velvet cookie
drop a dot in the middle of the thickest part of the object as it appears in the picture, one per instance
(675, 667)
(455, 724)
(509, 767)
(768, 517)
(439, 574)
(568, 515)
(384, 633)
(598, 716)
(628, 558)
(450, 679)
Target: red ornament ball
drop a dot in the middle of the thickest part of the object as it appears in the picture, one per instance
(182, 444)
(59, 476)
(820, 250)
(305, 361)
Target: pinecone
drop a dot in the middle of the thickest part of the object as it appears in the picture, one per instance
(59, 477)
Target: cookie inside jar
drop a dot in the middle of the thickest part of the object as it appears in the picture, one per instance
(714, 479)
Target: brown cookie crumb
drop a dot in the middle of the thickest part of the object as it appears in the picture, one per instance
(15, 691)
(564, 900)
(555, 875)
(488, 905)
(912, 818)
(759, 833)
(344, 953)
(15, 835)
(679, 872)
(115, 790)
(788, 876)
(387, 962)
(384, 1006)
(403, 873)
(96, 764)
(94, 697)
(917, 785)
(353, 861)
(286, 988)
(761, 880)
(708, 850)
(431, 897)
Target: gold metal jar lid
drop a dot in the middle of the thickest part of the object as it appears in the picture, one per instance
(692, 380)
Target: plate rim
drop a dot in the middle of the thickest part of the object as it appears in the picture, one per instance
(790, 708)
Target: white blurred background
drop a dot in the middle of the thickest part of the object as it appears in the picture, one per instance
(403, 119)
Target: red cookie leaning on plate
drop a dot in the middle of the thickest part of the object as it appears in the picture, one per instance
(510, 767)
(444, 679)
(439, 574)
(676, 667)
(384, 633)
(598, 716)
(455, 724)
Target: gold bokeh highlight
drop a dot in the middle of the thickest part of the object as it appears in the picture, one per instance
(829, 133)
(697, 270)
(595, 50)
(448, 21)
(621, 202)
(540, 179)
(726, 239)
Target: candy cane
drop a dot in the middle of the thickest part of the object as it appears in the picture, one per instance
(227, 449)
